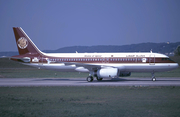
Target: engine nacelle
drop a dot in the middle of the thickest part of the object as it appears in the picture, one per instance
(123, 74)
(108, 72)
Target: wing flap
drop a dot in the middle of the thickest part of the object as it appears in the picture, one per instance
(90, 67)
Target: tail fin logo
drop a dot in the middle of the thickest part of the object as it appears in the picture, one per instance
(22, 43)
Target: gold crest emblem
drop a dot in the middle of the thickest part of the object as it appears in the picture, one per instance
(22, 43)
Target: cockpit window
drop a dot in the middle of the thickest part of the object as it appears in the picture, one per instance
(166, 59)
(170, 59)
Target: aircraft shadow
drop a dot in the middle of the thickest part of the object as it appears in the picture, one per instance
(119, 80)
(105, 80)
(123, 79)
(56, 79)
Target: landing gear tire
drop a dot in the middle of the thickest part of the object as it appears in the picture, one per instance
(153, 79)
(89, 79)
(99, 79)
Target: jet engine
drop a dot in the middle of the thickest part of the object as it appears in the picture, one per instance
(107, 72)
(123, 74)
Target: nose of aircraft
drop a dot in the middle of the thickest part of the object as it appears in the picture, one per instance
(177, 65)
(174, 65)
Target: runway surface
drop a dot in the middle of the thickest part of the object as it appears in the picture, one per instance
(10, 82)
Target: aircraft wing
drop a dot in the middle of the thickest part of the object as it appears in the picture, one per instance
(90, 67)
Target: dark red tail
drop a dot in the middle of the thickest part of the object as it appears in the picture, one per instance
(24, 43)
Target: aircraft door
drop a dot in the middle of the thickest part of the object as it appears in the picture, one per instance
(40, 63)
(107, 60)
(152, 59)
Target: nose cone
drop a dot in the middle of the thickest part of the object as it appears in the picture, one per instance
(173, 66)
(176, 65)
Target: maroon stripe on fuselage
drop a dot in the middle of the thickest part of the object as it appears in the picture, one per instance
(113, 60)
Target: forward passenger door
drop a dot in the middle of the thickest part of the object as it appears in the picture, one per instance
(152, 59)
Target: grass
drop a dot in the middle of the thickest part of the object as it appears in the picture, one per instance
(108, 101)
(173, 73)
(11, 69)
(90, 101)
(35, 73)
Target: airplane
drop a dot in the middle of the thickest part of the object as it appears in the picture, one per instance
(99, 65)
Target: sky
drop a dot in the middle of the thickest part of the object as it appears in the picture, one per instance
(53, 24)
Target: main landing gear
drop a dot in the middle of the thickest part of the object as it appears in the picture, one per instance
(90, 79)
(153, 77)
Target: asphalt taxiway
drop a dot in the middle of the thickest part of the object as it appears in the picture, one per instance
(13, 82)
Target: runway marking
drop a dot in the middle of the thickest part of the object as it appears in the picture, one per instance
(10, 82)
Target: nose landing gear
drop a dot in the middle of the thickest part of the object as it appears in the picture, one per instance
(153, 77)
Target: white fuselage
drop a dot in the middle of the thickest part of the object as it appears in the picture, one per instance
(126, 62)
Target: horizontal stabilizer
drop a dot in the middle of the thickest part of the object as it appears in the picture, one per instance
(25, 59)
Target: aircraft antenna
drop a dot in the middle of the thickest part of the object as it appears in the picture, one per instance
(151, 50)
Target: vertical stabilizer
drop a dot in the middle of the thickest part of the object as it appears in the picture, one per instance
(24, 43)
